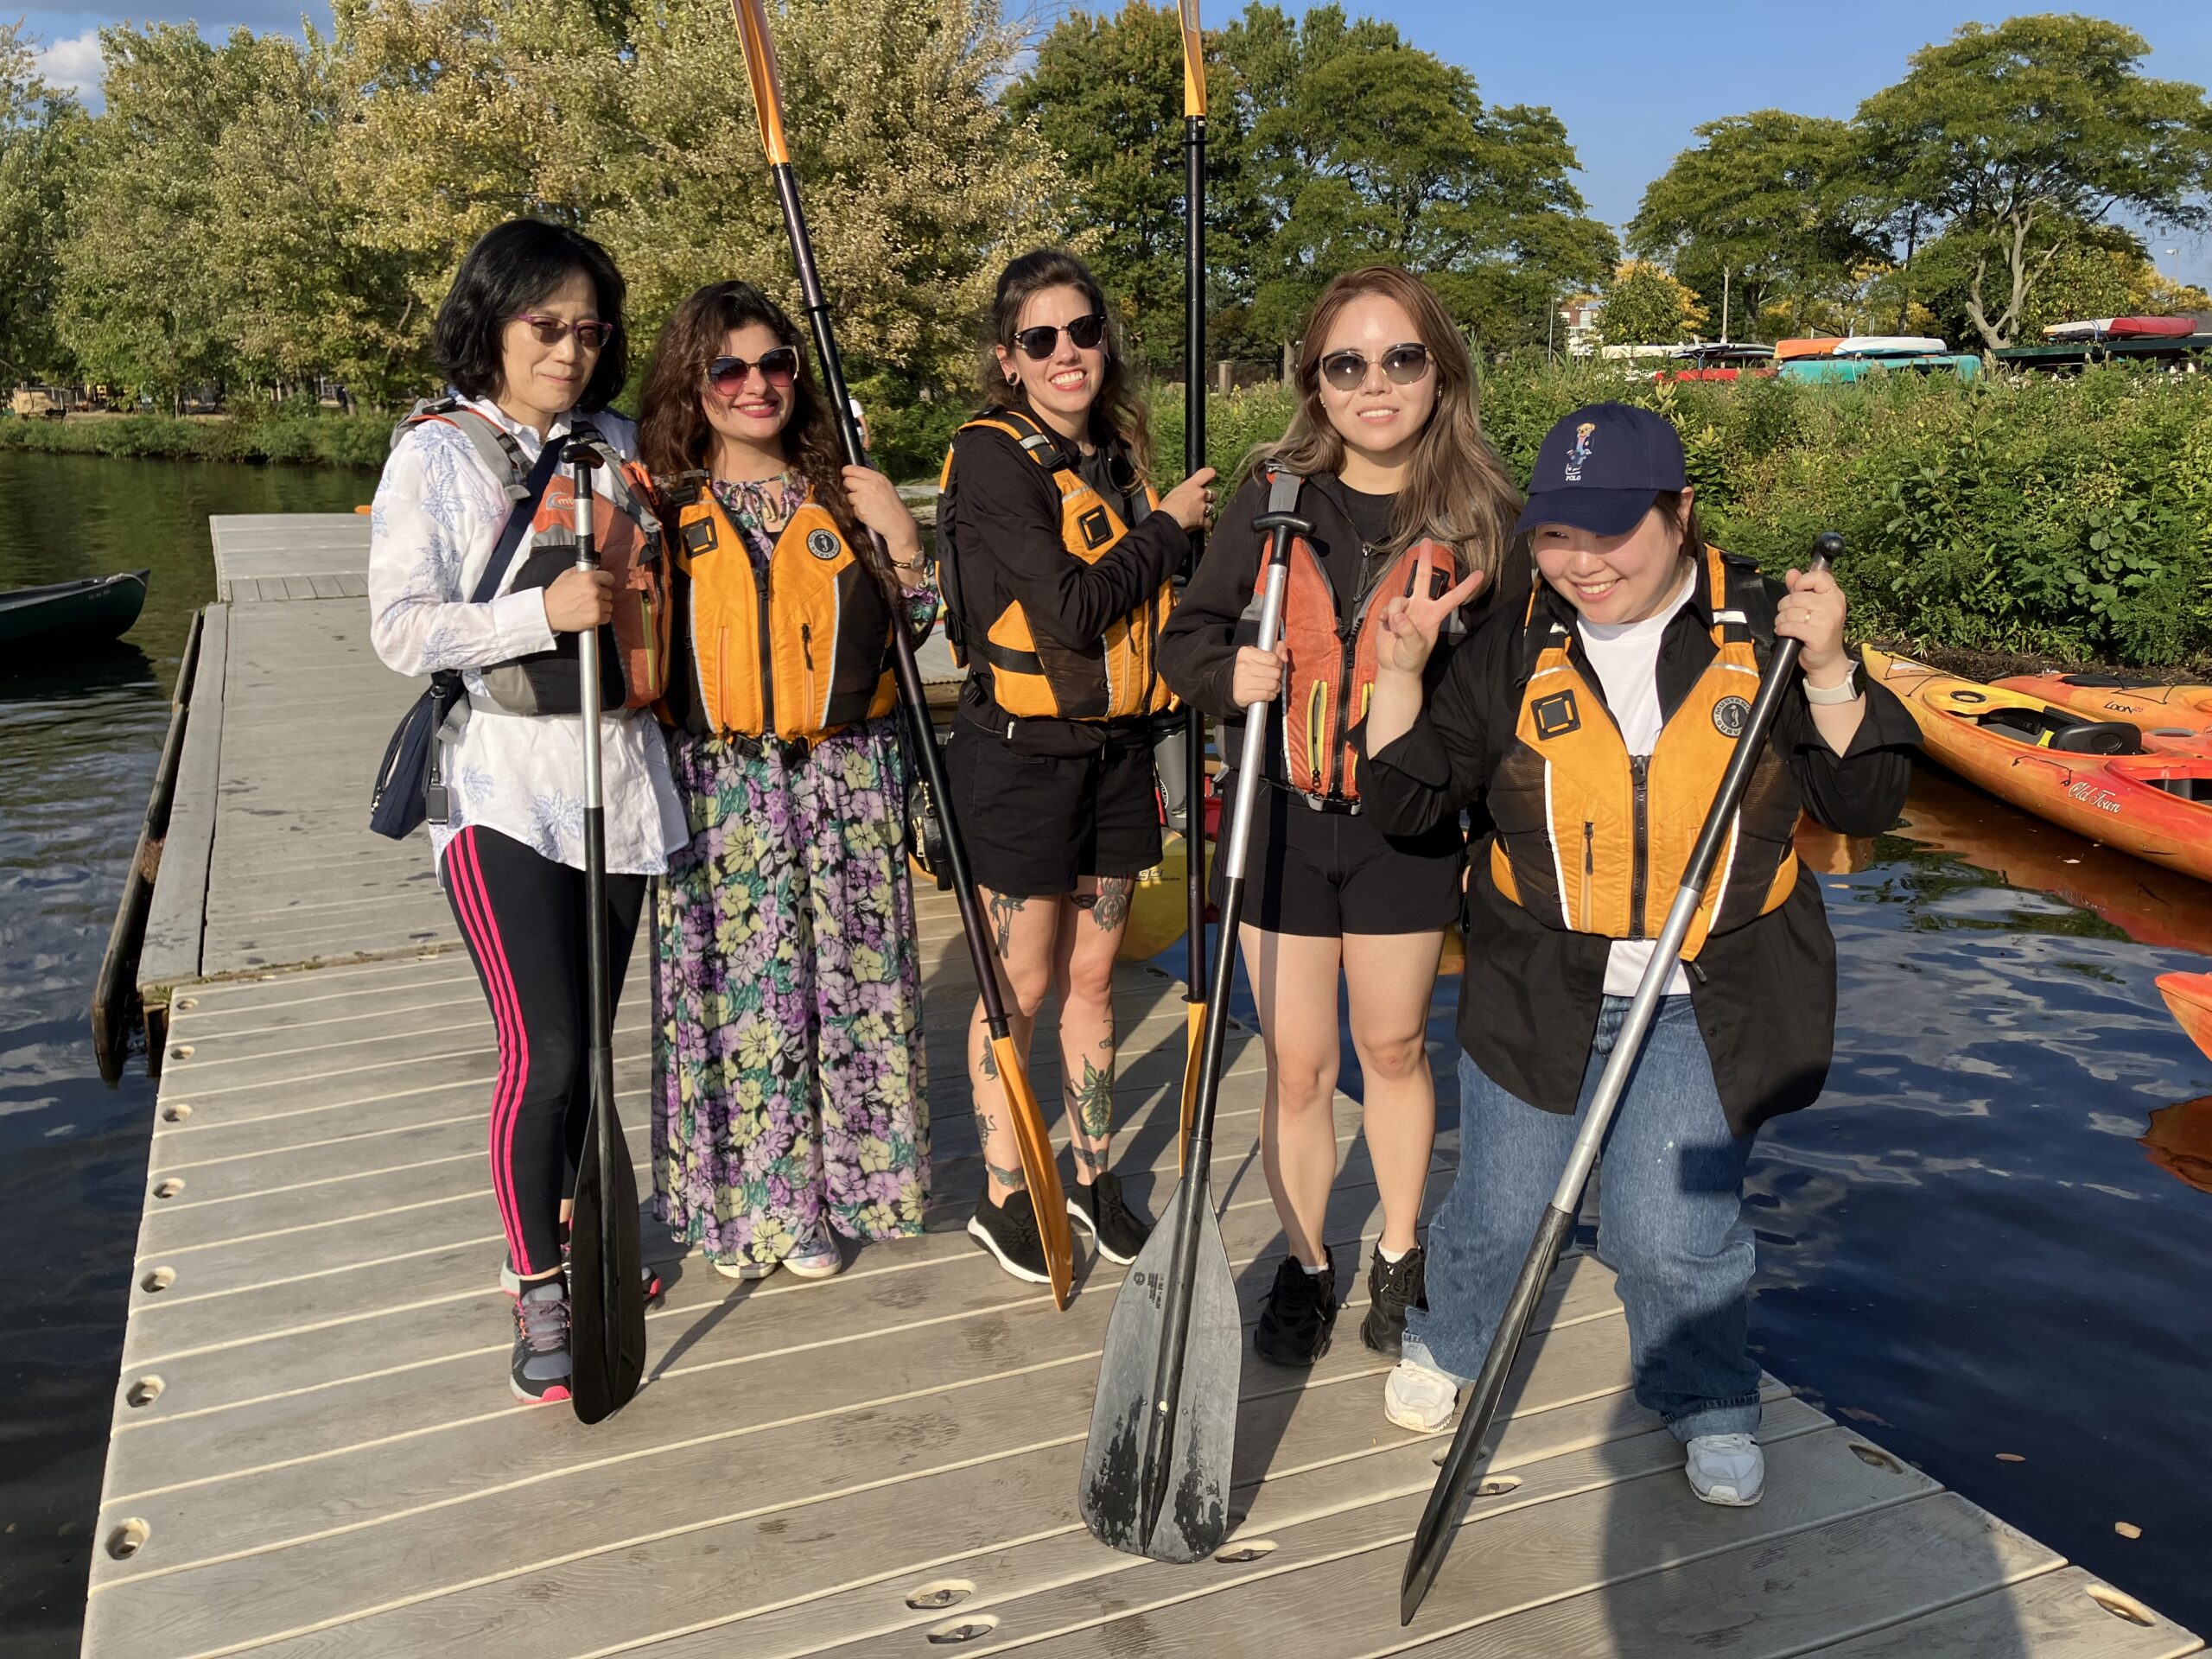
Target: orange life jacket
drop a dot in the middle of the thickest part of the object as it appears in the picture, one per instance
(1594, 840)
(1033, 676)
(1332, 660)
(805, 653)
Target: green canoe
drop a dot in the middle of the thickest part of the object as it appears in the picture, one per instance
(69, 615)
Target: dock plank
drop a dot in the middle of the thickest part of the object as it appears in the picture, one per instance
(176, 916)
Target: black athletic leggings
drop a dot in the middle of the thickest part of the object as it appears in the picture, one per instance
(524, 918)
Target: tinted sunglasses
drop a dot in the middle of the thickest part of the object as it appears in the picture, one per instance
(1347, 369)
(779, 368)
(1040, 341)
(551, 331)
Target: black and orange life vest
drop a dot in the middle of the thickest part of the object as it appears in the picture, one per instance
(801, 655)
(1594, 840)
(1034, 677)
(1332, 659)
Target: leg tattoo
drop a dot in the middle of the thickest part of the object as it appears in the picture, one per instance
(1092, 1100)
(1002, 907)
(1113, 906)
(1008, 1177)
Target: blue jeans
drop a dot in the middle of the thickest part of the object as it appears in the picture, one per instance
(1670, 1225)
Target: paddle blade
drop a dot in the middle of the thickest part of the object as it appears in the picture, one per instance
(1194, 60)
(1193, 1474)
(1432, 1537)
(1043, 1172)
(760, 71)
(607, 1291)
(1194, 1047)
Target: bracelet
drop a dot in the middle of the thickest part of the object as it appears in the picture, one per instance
(1830, 696)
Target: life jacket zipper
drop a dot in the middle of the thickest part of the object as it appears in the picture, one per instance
(767, 659)
(806, 643)
(1639, 766)
(1589, 867)
(1338, 725)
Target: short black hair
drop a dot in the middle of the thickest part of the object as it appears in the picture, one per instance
(511, 268)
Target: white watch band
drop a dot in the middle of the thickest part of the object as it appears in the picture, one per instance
(1825, 695)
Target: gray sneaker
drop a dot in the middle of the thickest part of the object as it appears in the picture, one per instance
(539, 1370)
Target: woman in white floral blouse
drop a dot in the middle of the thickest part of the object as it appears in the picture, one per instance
(530, 338)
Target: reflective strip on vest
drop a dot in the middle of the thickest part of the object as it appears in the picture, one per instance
(812, 654)
(1587, 843)
(1033, 676)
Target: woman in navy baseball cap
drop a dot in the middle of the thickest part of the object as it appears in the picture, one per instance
(1595, 727)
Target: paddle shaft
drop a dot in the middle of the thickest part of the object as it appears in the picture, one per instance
(1433, 1536)
(1197, 1201)
(1194, 456)
(904, 666)
(599, 995)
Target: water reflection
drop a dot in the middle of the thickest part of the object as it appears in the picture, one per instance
(2180, 1141)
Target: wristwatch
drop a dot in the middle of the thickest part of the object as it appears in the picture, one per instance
(1847, 692)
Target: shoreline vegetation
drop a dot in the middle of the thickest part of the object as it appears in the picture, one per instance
(1992, 526)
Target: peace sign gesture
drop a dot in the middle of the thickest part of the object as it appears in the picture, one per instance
(1407, 625)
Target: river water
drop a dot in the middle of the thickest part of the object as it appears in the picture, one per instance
(1989, 1244)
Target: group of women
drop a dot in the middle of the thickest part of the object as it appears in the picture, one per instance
(1486, 709)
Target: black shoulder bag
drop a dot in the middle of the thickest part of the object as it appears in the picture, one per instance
(410, 784)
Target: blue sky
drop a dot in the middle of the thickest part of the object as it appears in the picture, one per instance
(1630, 78)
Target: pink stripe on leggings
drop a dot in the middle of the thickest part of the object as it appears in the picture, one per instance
(483, 929)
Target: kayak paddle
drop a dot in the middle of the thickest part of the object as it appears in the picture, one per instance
(1194, 456)
(1433, 1536)
(606, 1292)
(1164, 1422)
(1040, 1171)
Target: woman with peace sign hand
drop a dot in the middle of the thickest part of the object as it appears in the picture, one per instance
(1412, 514)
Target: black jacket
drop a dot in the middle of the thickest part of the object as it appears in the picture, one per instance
(1008, 513)
(1197, 652)
(1765, 993)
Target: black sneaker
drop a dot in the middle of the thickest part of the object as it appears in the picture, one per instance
(1298, 1315)
(1392, 1288)
(1009, 1232)
(1119, 1231)
(539, 1370)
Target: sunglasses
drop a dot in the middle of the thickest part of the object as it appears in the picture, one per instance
(551, 331)
(1347, 369)
(779, 368)
(1040, 341)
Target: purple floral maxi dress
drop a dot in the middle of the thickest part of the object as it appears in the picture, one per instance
(788, 1079)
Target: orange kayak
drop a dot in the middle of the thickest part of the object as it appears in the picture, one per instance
(2173, 717)
(2091, 776)
(2189, 995)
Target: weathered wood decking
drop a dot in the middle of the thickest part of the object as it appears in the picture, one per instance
(315, 1453)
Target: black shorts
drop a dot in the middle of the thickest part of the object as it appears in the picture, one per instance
(1325, 874)
(1035, 823)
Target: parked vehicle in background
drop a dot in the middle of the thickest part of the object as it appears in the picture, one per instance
(45, 403)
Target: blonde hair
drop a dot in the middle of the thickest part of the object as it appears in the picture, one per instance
(1458, 491)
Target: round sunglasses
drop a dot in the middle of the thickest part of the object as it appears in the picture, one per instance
(779, 368)
(1040, 343)
(551, 331)
(1347, 369)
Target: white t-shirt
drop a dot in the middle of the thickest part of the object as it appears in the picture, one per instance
(1626, 657)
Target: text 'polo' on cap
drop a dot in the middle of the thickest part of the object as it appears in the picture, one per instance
(1600, 469)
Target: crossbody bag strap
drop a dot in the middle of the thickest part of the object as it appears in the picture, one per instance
(519, 520)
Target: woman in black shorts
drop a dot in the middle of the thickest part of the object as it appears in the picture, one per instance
(1403, 491)
(1056, 554)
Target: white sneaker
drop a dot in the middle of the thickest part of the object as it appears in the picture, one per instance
(815, 1256)
(1415, 1397)
(741, 1269)
(1727, 1469)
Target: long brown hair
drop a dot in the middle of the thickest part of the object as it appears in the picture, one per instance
(674, 437)
(1118, 413)
(1458, 489)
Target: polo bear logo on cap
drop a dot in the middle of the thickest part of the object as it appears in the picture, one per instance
(1580, 451)
(822, 544)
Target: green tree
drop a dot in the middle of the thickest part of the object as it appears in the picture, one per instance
(1757, 207)
(2019, 140)
(1646, 306)
(1366, 149)
(41, 130)
(1105, 94)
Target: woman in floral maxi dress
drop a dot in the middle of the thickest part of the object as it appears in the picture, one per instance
(788, 1106)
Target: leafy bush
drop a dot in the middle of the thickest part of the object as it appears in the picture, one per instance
(286, 434)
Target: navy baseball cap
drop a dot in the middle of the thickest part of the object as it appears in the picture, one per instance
(1600, 469)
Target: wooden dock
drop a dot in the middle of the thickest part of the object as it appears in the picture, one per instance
(315, 1453)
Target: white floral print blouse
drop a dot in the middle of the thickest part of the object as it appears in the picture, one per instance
(438, 515)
